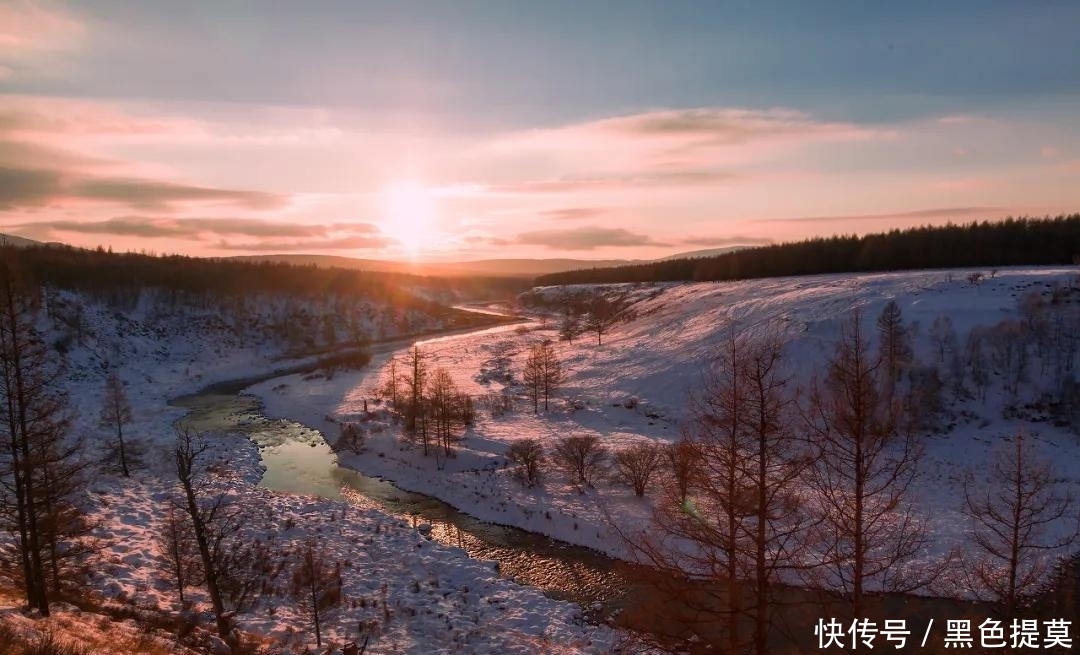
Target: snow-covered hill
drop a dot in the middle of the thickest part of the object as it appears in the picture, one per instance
(631, 388)
(635, 387)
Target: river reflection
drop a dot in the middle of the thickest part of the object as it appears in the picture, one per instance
(299, 461)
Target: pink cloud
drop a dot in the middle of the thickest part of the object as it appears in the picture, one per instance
(1071, 166)
(961, 119)
(25, 187)
(588, 237)
(960, 184)
(615, 182)
(361, 242)
(719, 126)
(667, 147)
(572, 213)
(39, 116)
(27, 26)
(938, 213)
(237, 234)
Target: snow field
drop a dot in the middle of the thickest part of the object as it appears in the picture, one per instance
(635, 385)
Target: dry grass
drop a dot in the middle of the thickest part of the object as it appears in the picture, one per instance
(74, 631)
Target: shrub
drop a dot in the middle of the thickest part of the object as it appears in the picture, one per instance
(527, 456)
(351, 438)
(637, 465)
(581, 458)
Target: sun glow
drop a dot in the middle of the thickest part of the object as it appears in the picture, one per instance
(408, 215)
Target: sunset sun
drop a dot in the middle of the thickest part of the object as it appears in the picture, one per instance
(408, 215)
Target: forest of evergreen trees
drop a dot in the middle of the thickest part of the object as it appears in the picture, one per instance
(1011, 242)
(102, 272)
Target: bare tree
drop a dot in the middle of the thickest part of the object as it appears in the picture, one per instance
(213, 518)
(1035, 320)
(894, 345)
(570, 325)
(552, 375)
(392, 385)
(527, 455)
(416, 410)
(943, 337)
(1015, 514)
(923, 402)
(247, 568)
(350, 437)
(543, 373)
(315, 584)
(329, 329)
(357, 331)
(776, 459)
(40, 468)
(683, 466)
(604, 313)
(181, 552)
(863, 472)
(65, 529)
(116, 413)
(1009, 355)
(581, 458)
(450, 410)
(978, 360)
(533, 377)
(637, 464)
(711, 519)
(735, 519)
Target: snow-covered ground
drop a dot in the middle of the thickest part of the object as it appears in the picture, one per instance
(634, 387)
(410, 594)
(631, 388)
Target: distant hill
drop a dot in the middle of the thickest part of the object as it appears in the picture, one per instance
(18, 242)
(708, 252)
(525, 268)
(482, 267)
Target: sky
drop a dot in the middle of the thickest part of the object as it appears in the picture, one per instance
(459, 130)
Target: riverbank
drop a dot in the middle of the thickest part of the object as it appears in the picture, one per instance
(476, 480)
(297, 461)
(633, 388)
(409, 593)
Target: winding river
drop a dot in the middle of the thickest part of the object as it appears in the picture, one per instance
(298, 460)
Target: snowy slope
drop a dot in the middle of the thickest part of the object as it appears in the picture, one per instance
(635, 386)
(410, 594)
